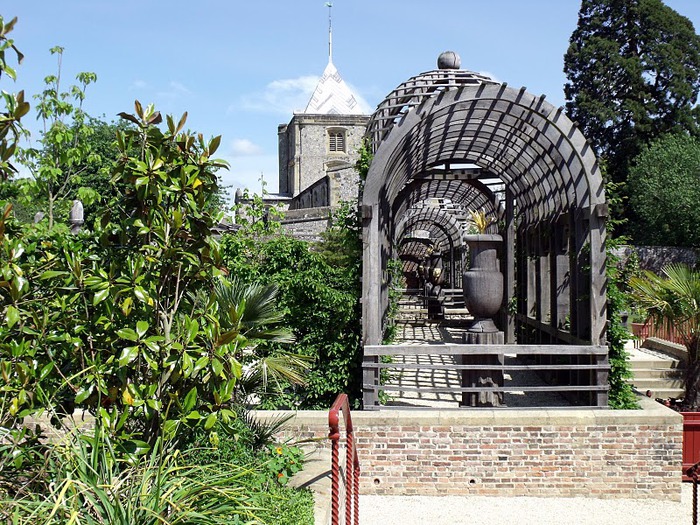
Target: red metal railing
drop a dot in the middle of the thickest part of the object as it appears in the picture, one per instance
(352, 464)
(692, 473)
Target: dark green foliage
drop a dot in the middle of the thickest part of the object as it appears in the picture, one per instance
(320, 290)
(15, 105)
(620, 395)
(95, 172)
(664, 192)
(633, 70)
(268, 463)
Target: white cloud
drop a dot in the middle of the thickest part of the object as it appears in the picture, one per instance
(244, 148)
(244, 172)
(280, 96)
(174, 90)
(365, 108)
(177, 87)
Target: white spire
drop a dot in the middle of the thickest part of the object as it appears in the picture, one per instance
(330, 31)
(332, 95)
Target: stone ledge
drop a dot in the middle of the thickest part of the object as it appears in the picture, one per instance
(667, 347)
(650, 410)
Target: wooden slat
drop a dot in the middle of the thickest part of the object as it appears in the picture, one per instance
(455, 349)
(445, 390)
(470, 408)
(504, 368)
(566, 337)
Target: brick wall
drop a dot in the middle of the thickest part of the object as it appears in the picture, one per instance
(599, 453)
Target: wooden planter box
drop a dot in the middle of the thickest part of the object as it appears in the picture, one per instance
(691, 441)
(640, 331)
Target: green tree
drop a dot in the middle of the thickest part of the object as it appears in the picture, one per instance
(664, 192)
(633, 70)
(15, 105)
(93, 184)
(673, 300)
(127, 322)
(319, 287)
(65, 150)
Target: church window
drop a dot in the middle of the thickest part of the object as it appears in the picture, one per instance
(336, 141)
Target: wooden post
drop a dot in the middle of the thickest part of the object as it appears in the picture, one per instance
(509, 267)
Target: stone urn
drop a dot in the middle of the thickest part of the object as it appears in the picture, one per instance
(483, 281)
(483, 296)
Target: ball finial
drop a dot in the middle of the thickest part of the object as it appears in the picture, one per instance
(449, 60)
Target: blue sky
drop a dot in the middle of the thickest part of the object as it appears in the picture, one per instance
(241, 68)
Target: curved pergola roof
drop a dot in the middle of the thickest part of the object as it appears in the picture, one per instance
(472, 195)
(514, 145)
(412, 93)
(445, 228)
(530, 145)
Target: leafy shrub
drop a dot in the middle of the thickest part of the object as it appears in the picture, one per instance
(86, 483)
(284, 461)
(620, 395)
(319, 288)
(249, 443)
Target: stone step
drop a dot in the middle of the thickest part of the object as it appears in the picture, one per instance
(655, 384)
(456, 311)
(649, 373)
(644, 363)
(664, 393)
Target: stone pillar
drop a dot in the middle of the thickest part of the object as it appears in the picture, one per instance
(76, 217)
(482, 378)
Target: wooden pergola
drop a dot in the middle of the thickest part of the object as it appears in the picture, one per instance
(450, 140)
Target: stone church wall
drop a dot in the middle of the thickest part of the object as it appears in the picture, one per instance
(304, 155)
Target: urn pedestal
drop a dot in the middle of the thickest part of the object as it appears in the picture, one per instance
(483, 297)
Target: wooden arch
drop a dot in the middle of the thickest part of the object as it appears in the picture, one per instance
(461, 126)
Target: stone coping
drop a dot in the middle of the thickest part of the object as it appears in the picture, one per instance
(667, 347)
(651, 413)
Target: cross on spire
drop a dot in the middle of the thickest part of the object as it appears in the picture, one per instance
(329, 5)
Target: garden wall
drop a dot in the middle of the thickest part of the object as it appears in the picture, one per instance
(654, 258)
(576, 452)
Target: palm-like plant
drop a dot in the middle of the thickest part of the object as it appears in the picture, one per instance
(672, 300)
(480, 220)
(249, 317)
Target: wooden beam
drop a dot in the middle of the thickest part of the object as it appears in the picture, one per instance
(471, 349)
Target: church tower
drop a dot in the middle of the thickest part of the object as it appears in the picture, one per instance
(318, 148)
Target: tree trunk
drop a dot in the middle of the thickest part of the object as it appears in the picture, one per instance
(692, 385)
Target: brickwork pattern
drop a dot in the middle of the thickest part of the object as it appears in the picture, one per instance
(598, 461)
(620, 458)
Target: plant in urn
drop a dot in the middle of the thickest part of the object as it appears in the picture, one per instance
(483, 281)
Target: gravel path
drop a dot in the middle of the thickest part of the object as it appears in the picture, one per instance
(455, 510)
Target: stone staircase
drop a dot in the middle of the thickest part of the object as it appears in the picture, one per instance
(413, 307)
(657, 372)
